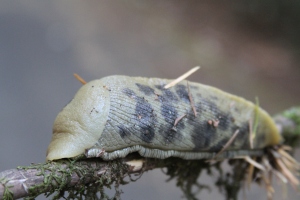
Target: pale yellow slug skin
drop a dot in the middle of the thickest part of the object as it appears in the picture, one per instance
(117, 112)
(80, 124)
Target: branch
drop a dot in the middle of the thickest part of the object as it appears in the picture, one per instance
(63, 174)
(288, 123)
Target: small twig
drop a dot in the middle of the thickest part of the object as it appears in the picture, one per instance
(269, 188)
(256, 120)
(191, 99)
(81, 80)
(254, 163)
(182, 77)
(250, 174)
(250, 134)
(178, 119)
(229, 142)
(293, 180)
(280, 176)
(283, 153)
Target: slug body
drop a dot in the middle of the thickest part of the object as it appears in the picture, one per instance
(117, 115)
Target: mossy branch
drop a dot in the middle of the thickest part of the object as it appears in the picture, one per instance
(30, 181)
(288, 123)
(87, 177)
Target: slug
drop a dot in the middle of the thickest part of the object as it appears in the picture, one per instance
(117, 115)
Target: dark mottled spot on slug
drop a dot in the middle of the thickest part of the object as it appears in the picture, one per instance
(199, 109)
(160, 87)
(180, 125)
(145, 118)
(260, 138)
(143, 108)
(219, 146)
(225, 120)
(169, 112)
(202, 105)
(213, 107)
(182, 92)
(167, 94)
(242, 139)
(168, 133)
(145, 89)
(128, 92)
(203, 134)
(147, 134)
(171, 132)
(244, 130)
(123, 131)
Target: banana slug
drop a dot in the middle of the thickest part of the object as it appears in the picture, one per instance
(117, 115)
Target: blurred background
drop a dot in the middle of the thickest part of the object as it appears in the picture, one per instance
(248, 48)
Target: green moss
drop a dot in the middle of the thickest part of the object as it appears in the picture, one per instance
(290, 123)
(7, 194)
(57, 177)
(294, 115)
(256, 118)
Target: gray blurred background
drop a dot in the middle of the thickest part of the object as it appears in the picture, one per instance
(245, 48)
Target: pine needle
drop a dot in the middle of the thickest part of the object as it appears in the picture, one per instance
(256, 119)
(81, 80)
(182, 77)
(191, 99)
(178, 119)
(254, 163)
(229, 142)
(250, 134)
(250, 175)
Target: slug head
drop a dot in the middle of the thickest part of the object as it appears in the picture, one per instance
(80, 124)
